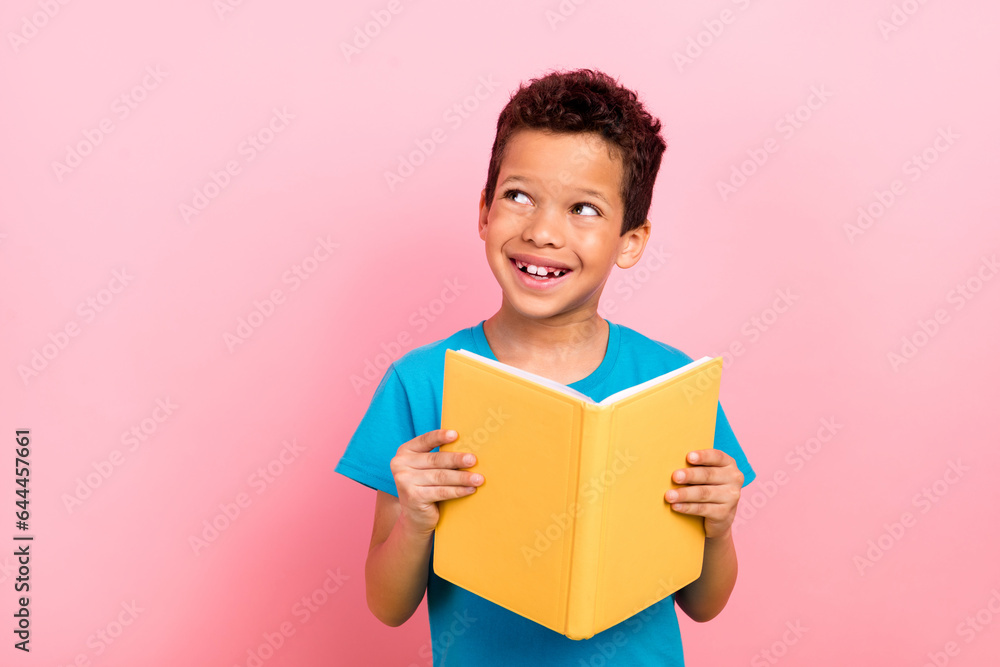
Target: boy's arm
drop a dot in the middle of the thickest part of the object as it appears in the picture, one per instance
(713, 491)
(400, 550)
(396, 568)
(704, 598)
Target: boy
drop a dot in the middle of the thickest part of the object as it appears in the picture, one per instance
(568, 189)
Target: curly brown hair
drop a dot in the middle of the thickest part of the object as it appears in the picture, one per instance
(586, 100)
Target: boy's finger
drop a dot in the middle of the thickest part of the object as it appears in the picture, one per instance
(709, 457)
(703, 475)
(428, 441)
(697, 509)
(444, 477)
(438, 493)
(453, 460)
(691, 494)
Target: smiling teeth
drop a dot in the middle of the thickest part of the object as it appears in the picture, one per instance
(539, 270)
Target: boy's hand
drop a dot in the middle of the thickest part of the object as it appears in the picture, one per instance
(424, 477)
(713, 492)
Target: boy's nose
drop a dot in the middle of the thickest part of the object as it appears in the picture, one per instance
(544, 227)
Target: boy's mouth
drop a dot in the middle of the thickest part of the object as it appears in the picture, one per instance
(539, 271)
(534, 274)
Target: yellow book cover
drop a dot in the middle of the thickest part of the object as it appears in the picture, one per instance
(570, 527)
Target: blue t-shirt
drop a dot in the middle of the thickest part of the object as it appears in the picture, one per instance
(465, 628)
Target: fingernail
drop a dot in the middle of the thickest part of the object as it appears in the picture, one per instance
(680, 475)
(693, 457)
(476, 479)
(450, 434)
(468, 459)
(671, 496)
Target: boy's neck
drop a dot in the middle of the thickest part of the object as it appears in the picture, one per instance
(565, 352)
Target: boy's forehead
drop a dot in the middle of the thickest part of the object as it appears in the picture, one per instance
(564, 160)
(584, 146)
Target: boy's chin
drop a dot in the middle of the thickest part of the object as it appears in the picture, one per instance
(546, 309)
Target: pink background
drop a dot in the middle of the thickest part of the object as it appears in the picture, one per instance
(842, 546)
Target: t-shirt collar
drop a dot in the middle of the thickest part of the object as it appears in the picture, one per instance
(583, 385)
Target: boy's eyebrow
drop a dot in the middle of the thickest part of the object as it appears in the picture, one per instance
(587, 191)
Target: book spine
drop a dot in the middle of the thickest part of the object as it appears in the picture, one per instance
(595, 435)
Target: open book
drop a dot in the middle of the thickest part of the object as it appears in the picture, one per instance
(570, 527)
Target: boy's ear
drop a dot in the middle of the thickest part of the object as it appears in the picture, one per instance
(484, 212)
(632, 245)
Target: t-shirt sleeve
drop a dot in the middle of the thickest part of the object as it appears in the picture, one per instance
(386, 425)
(725, 440)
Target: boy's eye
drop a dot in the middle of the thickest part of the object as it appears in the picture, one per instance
(579, 208)
(514, 194)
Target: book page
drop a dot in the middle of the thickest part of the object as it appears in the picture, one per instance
(537, 379)
(635, 389)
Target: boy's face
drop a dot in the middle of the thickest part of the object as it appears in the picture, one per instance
(558, 205)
